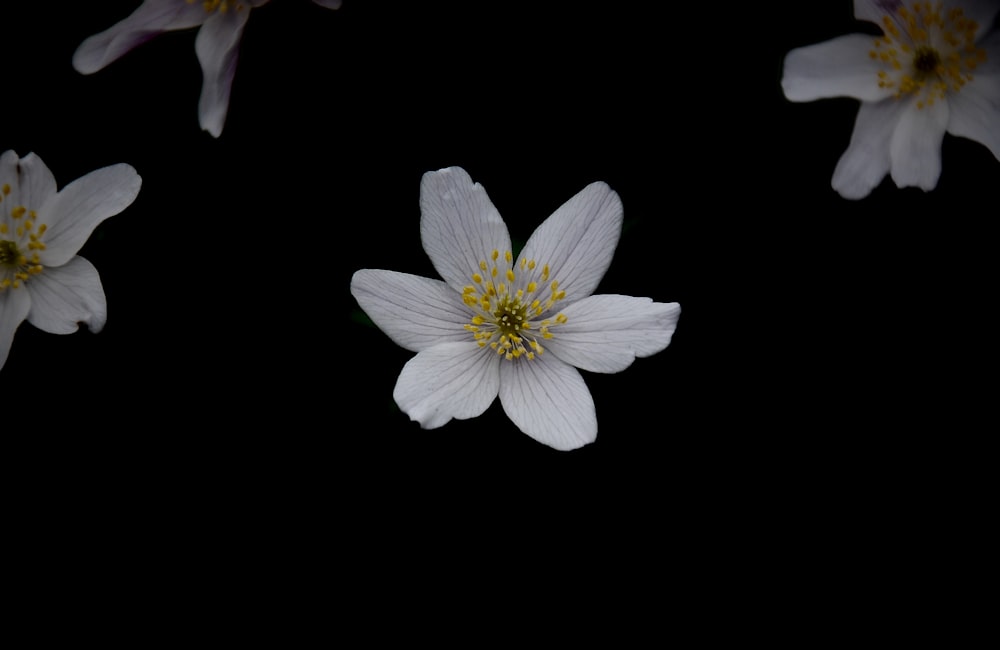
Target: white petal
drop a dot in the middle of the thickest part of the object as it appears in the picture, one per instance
(415, 312)
(866, 161)
(329, 4)
(459, 227)
(148, 20)
(578, 240)
(548, 400)
(840, 67)
(605, 333)
(984, 12)
(915, 148)
(37, 184)
(14, 307)
(451, 380)
(873, 10)
(975, 114)
(217, 46)
(64, 296)
(73, 213)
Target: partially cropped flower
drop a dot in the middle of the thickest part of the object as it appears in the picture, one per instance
(514, 327)
(217, 44)
(42, 279)
(935, 70)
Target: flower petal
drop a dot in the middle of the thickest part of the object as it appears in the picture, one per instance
(866, 161)
(548, 400)
(873, 10)
(984, 12)
(975, 110)
(840, 67)
(451, 380)
(915, 148)
(605, 333)
(64, 296)
(217, 46)
(73, 213)
(14, 307)
(329, 4)
(578, 240)
(36, 184)
(415, 312)
(148, 20)
(459, 227)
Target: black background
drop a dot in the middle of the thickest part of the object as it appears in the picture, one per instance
(235, 387)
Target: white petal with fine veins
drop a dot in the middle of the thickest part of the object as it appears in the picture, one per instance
(548, 400)
(72, 214)
(451, 380)
(415, 312)
(866, 161)
(14, 307)
(579, 239)
(605, 333)
(915, 146)
(64, 296)
(459, 226)
(217, 46)
(840, 67)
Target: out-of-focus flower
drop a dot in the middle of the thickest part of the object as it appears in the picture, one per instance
(42, 279)
(517, 328)
(935, 70)
(216, 45)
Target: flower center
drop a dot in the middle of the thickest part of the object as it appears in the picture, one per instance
(510, 307)
(927, 51)
(222, 6)
(20, 241)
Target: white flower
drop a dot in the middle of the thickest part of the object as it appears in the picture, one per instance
(42, 279)
(217, 44)
(935, 69)
(520, 327)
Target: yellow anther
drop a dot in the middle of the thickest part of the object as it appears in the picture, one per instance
(531, 287)
(507, 256)
(3, 228)
(41, 229)
(18, 212)
(478, 279)
(510, 275)
(6, 189)
(493, 272)
(495, 254)
(561, 318)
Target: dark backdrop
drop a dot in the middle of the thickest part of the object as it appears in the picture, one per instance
(235, 381)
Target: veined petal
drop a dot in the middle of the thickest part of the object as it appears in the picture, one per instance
(579, 239)
(64, 296)
(975, 114)
(329, 4)
(605, 333)
(10, 176)
(451, 380)
(14, 307)
(984, 12)
(840, 67)
(548, 400)
(873, 10)
(866, 161)
(459, 227)
(73, 213)
(915, 147)
(415, 312)
(36, 182)
(217, 46)
(151, 18)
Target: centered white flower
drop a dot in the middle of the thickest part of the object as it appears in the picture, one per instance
(217, 44)
(935, 70)
(514, 327)
(42, 279)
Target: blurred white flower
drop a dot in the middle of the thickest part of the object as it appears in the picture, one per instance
(935, 70)
(42, 279)
(216, 45)
(517, 328)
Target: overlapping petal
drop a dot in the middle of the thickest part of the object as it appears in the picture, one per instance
(64, 296)
(915, 146)
(579, 240)
(72, 214)
(451, 380)
(217, 47)
(151, 18)
(14, 307)
(840, 67)
(36, 183)
(548, 400)
(415, 312)
(605, 333)
(866, 161)
(459, 226)
(975, 112)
